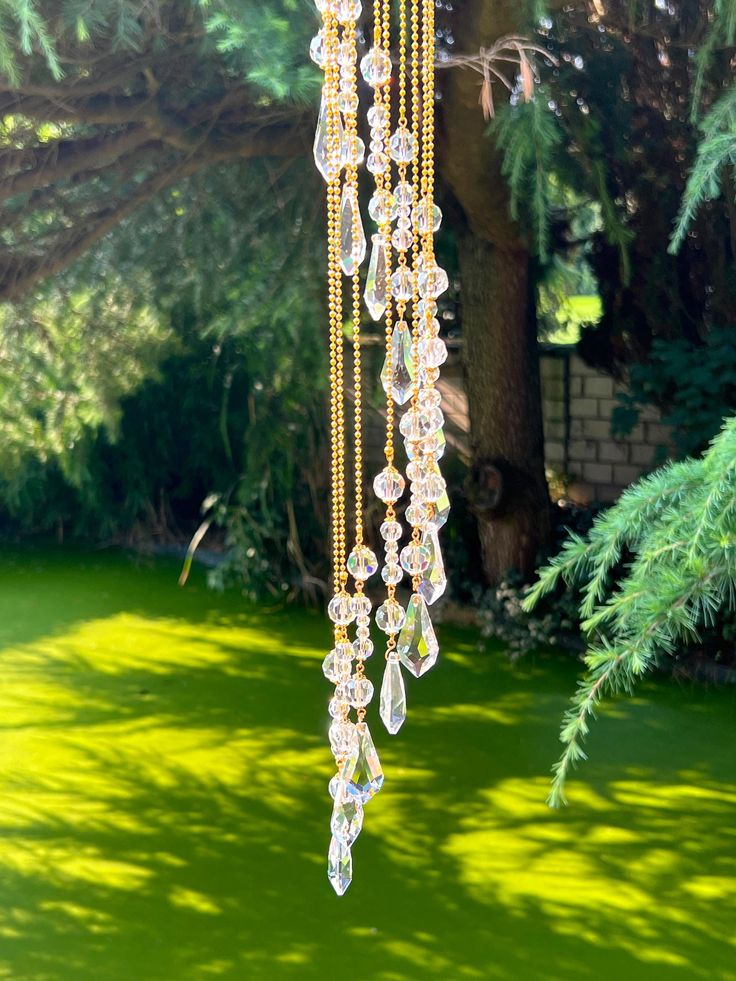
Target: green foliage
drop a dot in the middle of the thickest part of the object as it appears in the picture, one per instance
(676, 532)
(693, 386)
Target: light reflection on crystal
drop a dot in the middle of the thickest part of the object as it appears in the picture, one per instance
(434, 581)
(362, 771)
(393, 696)
(417, 644)
(376, 283)
(400, 382)
(352, 236)
(339, 866)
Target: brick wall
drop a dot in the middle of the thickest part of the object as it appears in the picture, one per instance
(578, 404)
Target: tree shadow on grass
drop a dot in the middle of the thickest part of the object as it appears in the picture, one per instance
(163, 810)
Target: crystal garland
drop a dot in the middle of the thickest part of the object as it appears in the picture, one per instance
(402, 284)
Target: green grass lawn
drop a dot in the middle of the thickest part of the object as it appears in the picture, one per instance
(163, 805)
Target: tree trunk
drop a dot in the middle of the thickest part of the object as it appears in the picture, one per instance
(508, 490)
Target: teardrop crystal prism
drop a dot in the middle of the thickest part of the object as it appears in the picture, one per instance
(328, 157)
(362, 771)
(347, 816)
(393, 696)
(352, 236)
(399, 382)
(440, 513)
(376, 283)
(434, 580)
(339, 866)
(417, 645)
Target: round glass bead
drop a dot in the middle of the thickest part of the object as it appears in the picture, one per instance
(432, 488)
(348, 10)
(417, 515)
(345, 55)
(402, 284)
(377, 162)
(363, 648)
(390, 616)
(360, 692)
(377, 146)
(382, 207)
(362, 563)
(430, 396)
(342, 736)
(427, 307)
(377, 117)
(318, 50)
(354, 151)
(363, 632)
(432, 352)
(338, 707)
(363, 621)
(392, 573)
(427, 216)
(389, 485)
(375, 67)
(415, 558)
(344, 649)
(417, 470)
(336, 668)
(402, 146)
(433, 281)
(404, 194)
(428, 376)
(392, 552)
(420, 422)
(391, 531)
(402, 239)
(362, 604)
(340, 609)
(325, 6)
(429, 327)
(347, 102)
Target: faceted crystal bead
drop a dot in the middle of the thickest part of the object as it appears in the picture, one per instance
(339, 866)
(418, 469)
(377, 163)
(417, 645)
(348, 10)
(347, 816)
(390, 616)
(402, 283)
(338, 707)
(417, 514)
(391, 531)
(353, 151)
(325, 6)
(431, 488)
(432, 352)
(361, 603)
(363, 648)
(428, 376)
(392, 573)
(429, 327)
(430, 396)
(360, 692)
(402, 146)
(434, 581)
(376, 283)
(375, 67)
(382, 207)
(377, 117)
(433, 281)
(441, 512)
(345, 58)
(318, 49)
(404, 194)
(328, 156)
(418, 423)
(352, 237)
(414, 558)
(362, 771)
(427, 308)
(342, 736)
(402, 239)
(340, 609)
(362, 564)
(399, 381)
(393, 696)
(388, 485)
(427, 216)
(348, 102)
(336, 668)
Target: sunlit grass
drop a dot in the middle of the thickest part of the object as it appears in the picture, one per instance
(163, 805)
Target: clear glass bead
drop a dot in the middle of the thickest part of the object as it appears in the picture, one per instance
(391, 531)
(427, 216)
(377, 146)
(375, 67)
(430, 396)
(427, 308)
(390, 616)
(377, 117)
(417, 470)
(348, 10)
(336, 668)
(363, 648)
(428, 376)
(429, 327)
(392, 573)
(362, 604)
(347, 102)
(419, 422)
(433, 281)
(402, 239)
(362, 563)
(414, 558)
(404, 193)
(389, 485)
(340, 609)
(382, 207)
(354, 151)
(318, 49)
(338, 707)
(432, 488)
(417, 514)
(434, 444)
(402, 284)
(360, 692)
(377, 162)
(346, 55)
(363, 632)
(402, 146)
(343, 649)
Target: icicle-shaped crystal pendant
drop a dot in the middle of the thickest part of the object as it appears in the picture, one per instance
(399, 382)
(376, 285)
(362, 772)
(434, 581)
(352, 236)
(339, 865)
(393, 695)
(326, 157)
(347, 816)
(417, 644)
